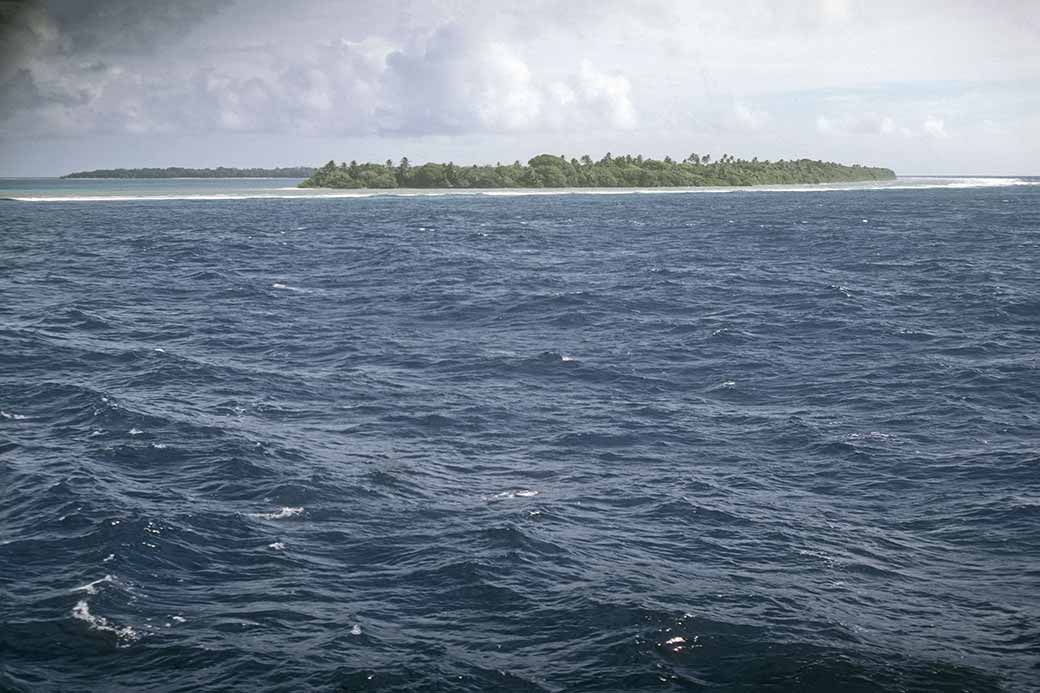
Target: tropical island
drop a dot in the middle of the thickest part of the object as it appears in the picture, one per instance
(549, 171)
(178, 172)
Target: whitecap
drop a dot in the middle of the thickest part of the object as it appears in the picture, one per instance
(277, 546)
(872, 435)
(843, 290)
(286, 287)
(812, 553)
(135, 431)
(92, 587)
(81, 612)
(12, 416)
(280, 514)
(517, 493)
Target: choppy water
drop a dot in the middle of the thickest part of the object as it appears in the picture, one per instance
(784, 441)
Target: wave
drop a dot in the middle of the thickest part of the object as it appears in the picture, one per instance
(909, 183)
(278, 514)
(124, 634)
(515, 493)
(92, 587)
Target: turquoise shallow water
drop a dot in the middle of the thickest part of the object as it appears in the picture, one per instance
(78, 188)
(780, 440)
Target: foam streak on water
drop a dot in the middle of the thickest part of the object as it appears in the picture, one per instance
(744, 441)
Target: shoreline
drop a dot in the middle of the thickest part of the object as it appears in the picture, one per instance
(296, 193)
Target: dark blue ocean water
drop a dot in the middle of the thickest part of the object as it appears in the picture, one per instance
(737, 442)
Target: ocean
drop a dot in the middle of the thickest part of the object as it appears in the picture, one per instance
(257, 438)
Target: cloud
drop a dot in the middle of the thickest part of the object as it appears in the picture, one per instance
(868, 123)
(747, 118)
(835, 10)
(992, 127)
(453, 80)
(751, 76)
(126, 27)
(875, 124)
(935, 127)
(606, 95)
(56, 59)
(457, 81)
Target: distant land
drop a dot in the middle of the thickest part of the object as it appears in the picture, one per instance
(177, 172)
(550, 171)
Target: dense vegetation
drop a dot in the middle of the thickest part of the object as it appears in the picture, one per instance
(548, 171)
(177, 172)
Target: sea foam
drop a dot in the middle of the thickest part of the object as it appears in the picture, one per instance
(280, 514)
(124, 634)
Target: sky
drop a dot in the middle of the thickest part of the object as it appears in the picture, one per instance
(923, 87)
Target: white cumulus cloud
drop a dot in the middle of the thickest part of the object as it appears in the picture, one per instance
(935, 127)
(749, 118)
(855, 123)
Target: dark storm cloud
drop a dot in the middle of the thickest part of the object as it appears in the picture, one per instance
(21, 29)
(24, 27)
(18, 91)
(88, 34)
(126, 27)
(107, 27)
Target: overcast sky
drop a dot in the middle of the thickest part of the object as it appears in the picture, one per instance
(924, 87)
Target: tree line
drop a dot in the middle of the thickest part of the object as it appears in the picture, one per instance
(549, 171)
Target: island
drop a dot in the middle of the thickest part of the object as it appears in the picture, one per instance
(550, 171)
(178, 172)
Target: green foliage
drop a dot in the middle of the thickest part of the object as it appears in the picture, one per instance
(550, 171)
